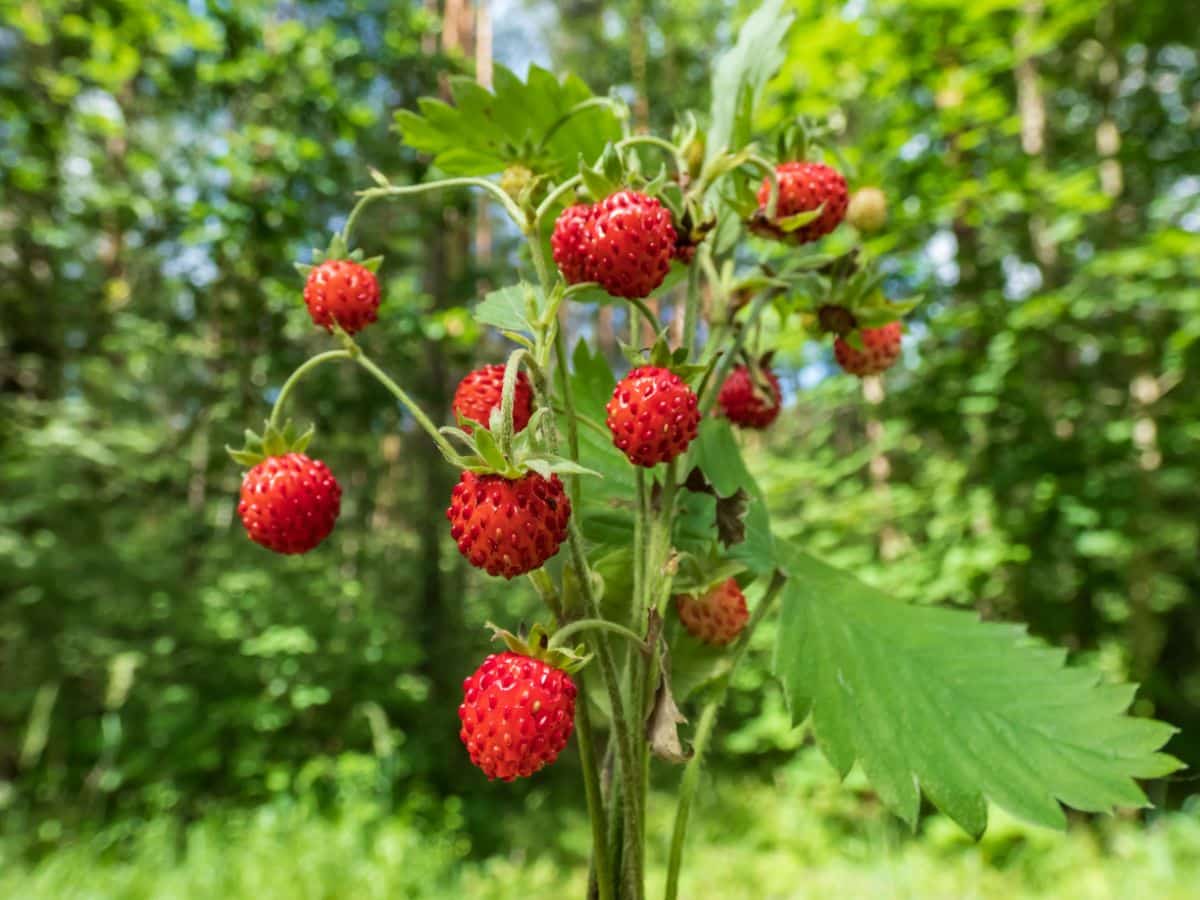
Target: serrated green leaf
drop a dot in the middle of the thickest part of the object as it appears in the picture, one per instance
(505, 309)
(933, 700)
(483, 132)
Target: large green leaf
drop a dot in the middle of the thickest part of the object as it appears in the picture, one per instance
(743, 72)
(933, 700)
(484, 132)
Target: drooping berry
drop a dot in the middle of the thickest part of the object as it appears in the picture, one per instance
(632, 242)
(803, 186)
(881, 349)
(289, 503)
(653, 415)
(342, 292)
(747, 402)
(481, 391)
(508, 526)
(571, 242)
(716, 616)
(517, 715)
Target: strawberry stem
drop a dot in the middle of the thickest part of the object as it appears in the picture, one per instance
(295, 378)
(561, 636)
(704, 729)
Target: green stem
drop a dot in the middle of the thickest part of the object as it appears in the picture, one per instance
(608, 670)
(766, 167)
(591, 789)
(560, 637)
(407, 402)
(704, 729)
(548, 204)
(691, 309)
(620, 719)
(508, 392)
(294, 379)
(650, 140)
(647, 314)
(544, 585)
(372, 194)
(708, 392)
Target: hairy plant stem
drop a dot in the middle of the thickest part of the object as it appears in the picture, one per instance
(712, 386)
(601, 867)
(294, 379)
(571, 628)
(406, 401)
(633, 876)
(691, 307)
(704, 730)
(372, 194)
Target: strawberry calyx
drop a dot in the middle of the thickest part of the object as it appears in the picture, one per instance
(274, 441)
(486, 455)
(536, 644)
(337, 249)
(662, 356)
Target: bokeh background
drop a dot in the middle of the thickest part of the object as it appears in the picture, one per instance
(185, 715)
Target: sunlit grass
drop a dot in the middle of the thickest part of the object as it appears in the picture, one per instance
(803, 836)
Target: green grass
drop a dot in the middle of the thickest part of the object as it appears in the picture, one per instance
(802, 836)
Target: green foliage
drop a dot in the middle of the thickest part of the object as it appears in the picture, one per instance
(742, 73)
(803, 835)
(535, 122)
(932, 700)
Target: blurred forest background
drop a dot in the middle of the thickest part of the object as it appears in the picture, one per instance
(184, 714)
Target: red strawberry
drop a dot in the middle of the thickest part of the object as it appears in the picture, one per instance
(803, 186)
(508, 526)
(571, 242)
(343, 292)
(632, 242)
(480, 392)
(881, 350)
(517, 715)
(289, 503)
(716, 616)
(744, 400)
(653, 415)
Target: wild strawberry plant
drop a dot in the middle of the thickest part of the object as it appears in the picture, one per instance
(625, 502)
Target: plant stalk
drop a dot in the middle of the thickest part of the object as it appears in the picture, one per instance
(294, 379)
(704, 729)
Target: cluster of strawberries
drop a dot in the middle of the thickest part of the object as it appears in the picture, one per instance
(518, 708)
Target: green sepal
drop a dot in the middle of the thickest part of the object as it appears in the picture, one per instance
(337, 249)
(273, 442)
(600, 180)
(536, 644)
(789, 224)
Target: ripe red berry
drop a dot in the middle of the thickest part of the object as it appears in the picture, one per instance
(517, 715)
(289, 503)
(343, 292)
(480, 392)
(716, 616)
(803, 186)
(632, 242)
(508, 526)
(881, 350)
(653, 416)
(571, 242)
(746, 403)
